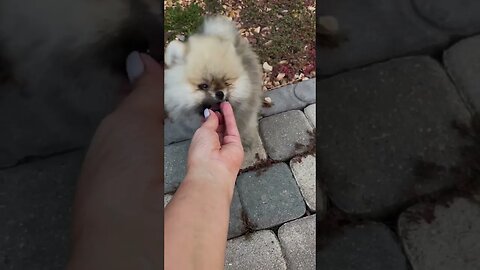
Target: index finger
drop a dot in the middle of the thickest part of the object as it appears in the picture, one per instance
(229, 119)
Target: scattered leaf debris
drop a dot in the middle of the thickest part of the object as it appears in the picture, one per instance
(266, 25)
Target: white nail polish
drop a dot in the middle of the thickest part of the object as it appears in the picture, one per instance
(206, 113)
(135, 66)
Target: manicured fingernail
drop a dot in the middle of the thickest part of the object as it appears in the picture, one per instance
(206, 113)
(135, 66)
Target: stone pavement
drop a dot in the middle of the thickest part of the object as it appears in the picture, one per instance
(272, 221)
(396, 95)
(375, 122)
(376, 31)
(36, 196)
(365, 246)
(448, 241)
(35, 208)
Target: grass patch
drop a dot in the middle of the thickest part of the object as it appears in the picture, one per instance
(181, 20)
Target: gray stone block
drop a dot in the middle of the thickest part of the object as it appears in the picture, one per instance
(443, 236)
(376, 122)
(462, 62)
(283, 99)
(258, 251)
(271, 198)
(298, 239)
(35, 209)
(166, 199)
(456, 17)
(180, 130)
(236, 224)
(286, 134)
(175, 162)
(304, 171)
(363, 247)
(376, 32)
(33, 127)
(310, 114)
(305, 91)
(44, 114)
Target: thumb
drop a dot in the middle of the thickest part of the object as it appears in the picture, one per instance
(212, 120)
(146, 75)
(151, 81)
(138, 64)
(135, 66)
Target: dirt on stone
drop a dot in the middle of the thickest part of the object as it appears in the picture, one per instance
(309, 149)
(466, 173)
(333, 225)
(260, 166)
(249, 226)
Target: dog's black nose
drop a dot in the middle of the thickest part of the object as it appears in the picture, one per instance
(219, 95)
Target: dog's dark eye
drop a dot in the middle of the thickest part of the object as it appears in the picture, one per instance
(203, 86)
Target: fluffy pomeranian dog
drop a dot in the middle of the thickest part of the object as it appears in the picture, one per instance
(62, 63)
(214, 65)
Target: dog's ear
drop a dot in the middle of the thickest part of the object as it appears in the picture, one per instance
(174, 53)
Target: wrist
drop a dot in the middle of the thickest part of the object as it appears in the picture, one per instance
(217, 183)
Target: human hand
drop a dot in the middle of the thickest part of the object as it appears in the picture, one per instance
(197, 218)
(118, 211)
(216, 152)
(128, 144)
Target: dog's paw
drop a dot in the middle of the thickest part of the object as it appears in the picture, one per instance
(248, 143)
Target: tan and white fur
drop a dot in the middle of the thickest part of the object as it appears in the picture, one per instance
(215, 64)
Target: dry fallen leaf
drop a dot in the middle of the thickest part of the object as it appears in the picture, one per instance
(267, 102)
(268, 43)
(267, 67)
(329, 23)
